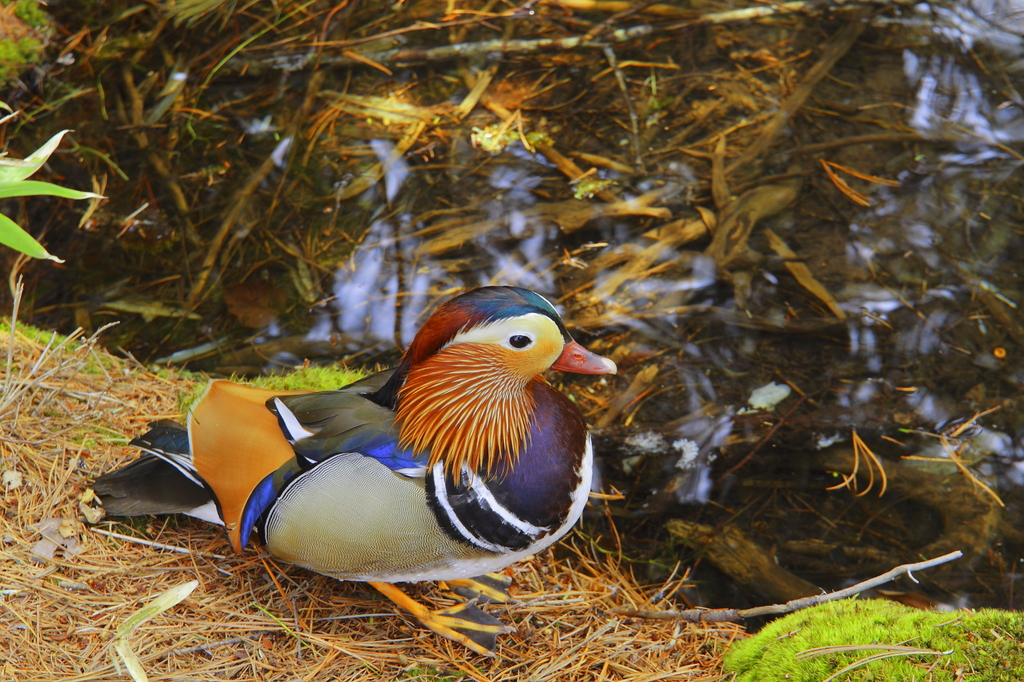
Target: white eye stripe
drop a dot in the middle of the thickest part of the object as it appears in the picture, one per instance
(533, 325)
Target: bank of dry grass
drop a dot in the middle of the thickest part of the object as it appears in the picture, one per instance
(67, 411)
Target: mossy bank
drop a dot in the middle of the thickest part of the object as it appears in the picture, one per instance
(856, 641)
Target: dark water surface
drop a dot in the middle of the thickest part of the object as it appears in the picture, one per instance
(920, 252)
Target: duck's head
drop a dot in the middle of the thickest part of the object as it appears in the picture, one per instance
(461, 387)
(520, 321)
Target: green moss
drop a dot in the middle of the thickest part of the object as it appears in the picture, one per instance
(23, 38)
(307, 379)
(428, 674)
(325, 378)
(15, 55)
(970, 646)
(31, 12)
(43, 337)
(34, 334)
(190, 392)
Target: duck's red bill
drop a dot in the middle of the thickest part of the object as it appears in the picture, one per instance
(576, 358)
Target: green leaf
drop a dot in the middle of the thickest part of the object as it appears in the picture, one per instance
(18, 239)
(14, 170)
(160, 604)
(33, 188)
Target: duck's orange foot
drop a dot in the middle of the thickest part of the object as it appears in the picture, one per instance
(463, 623)
(492, 587)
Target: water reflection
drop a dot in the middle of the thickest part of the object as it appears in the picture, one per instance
(952, 103)
(915, 259)
(927, 275)
(382, 295)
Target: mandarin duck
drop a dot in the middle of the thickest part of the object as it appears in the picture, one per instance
(457, 463)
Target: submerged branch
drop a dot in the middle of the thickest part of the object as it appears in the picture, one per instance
(837, 46)
(419, 55)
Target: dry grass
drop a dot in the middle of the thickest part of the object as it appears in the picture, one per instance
(66, 415)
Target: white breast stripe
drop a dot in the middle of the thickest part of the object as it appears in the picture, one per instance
(481, 489)
(294, 429)
(496, 562)
(582, 492)
(441, 494)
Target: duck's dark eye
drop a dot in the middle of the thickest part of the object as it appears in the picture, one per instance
(519, 341)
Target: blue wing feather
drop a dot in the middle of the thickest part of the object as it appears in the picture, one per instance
(262, 497)
(382, 447)
(387, 452)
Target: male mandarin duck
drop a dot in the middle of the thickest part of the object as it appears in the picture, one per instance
(457, 463)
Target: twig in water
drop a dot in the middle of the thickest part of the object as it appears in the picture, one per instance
(837, 46)
(634, 121)
(739, 465)
(954, 452)
(731, 615)
(844, 187)
(468, 51)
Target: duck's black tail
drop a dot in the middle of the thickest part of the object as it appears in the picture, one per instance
(152, 484)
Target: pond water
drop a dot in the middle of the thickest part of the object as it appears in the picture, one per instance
(865, 258)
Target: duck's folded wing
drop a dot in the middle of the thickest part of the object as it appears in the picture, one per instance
(320, 425)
